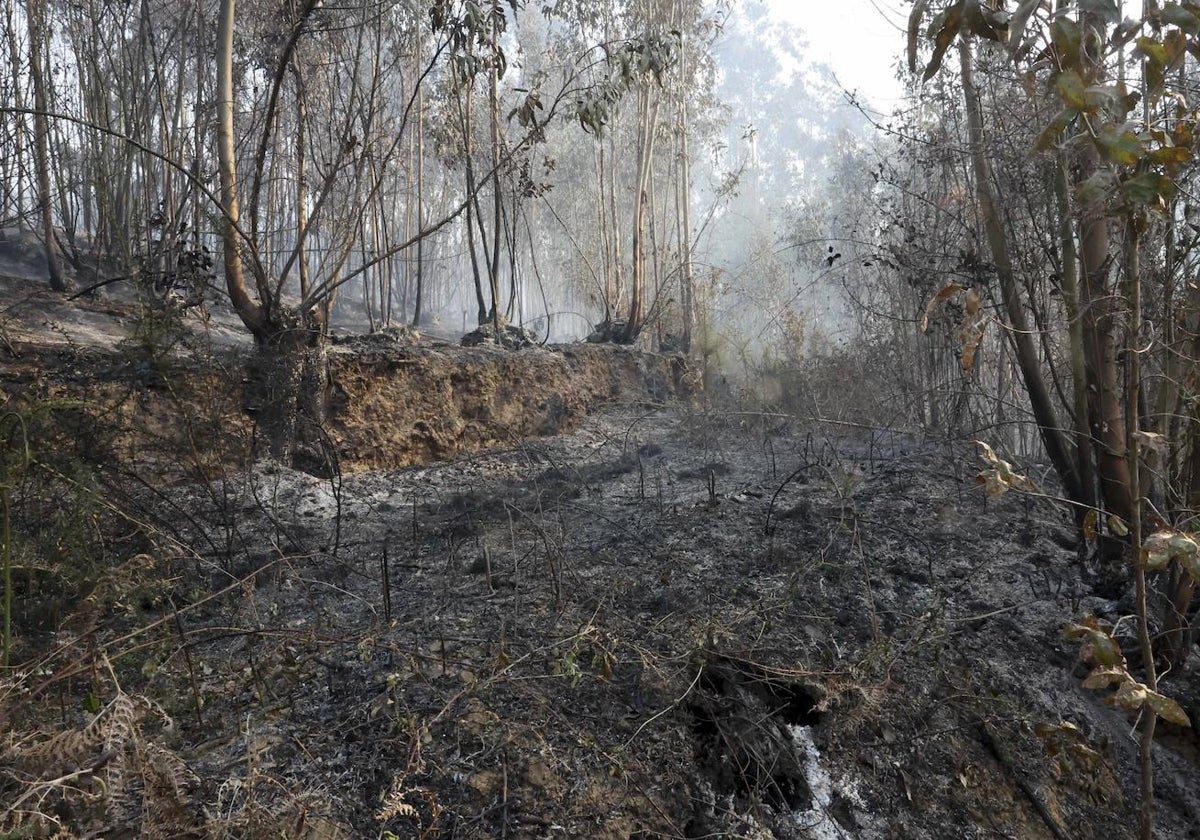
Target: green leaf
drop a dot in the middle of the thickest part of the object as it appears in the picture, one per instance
(1052, 133)
(1119, 145)
(1173, 14)
(1104, 97)
(1069, 85)
(1170, 156)
(1064, 34)
(1154, 52)
(1105, 649)
(1094, 189)
(1161, 57)
(1099, 645)
(1146, 190)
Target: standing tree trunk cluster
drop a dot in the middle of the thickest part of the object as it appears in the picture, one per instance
(286, 388)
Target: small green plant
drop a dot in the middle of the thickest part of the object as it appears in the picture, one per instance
(590, 645)
(157, 331)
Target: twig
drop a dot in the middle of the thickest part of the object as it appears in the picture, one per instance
(674, 705)
(775, 495)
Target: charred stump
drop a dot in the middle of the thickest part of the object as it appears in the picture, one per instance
(287, 392)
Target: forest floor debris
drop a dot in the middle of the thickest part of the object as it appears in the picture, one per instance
(669, 623)
(677, 620)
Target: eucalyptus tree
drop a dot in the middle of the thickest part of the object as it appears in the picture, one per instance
(1122, 155)
(351, 140)
(13, 148)
(356, 142)
(35, 16)
(656, 70)
(1114, 158)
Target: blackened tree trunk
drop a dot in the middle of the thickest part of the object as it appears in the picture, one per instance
(287, 392)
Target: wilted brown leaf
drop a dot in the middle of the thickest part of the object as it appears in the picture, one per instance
(1089, 524)
(1117, 525)
(1001, 478)
(1099, 646)
(1167, 709)
(1130, 696)
(945, 293)
(1104, 677)
(973, 326)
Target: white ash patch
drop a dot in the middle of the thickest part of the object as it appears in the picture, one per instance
(817, 822)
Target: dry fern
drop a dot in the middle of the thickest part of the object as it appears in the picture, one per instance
(113, 586)
(89, 774)
(166, 780)
(394, 803)
(263, 808)
(398, 803)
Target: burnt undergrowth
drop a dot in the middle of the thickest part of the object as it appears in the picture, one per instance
(671, 623)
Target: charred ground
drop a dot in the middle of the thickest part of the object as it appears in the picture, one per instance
(667, 618)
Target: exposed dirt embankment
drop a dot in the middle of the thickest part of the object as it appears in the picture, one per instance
(390, 406)
(408, 405)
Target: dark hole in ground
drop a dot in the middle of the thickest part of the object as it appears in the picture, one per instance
(740, 718)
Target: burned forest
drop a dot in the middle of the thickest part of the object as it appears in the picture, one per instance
(641, 420)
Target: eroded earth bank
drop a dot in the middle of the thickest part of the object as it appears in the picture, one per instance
(665, 618)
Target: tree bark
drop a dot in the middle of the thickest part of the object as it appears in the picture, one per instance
(648, 119)
(288, 377)
(1053, 438)
(1097, 301)
(687, 280)
(35, 16)
(494, 128)
(19, 172)
(1079, 376)
(248, 310)
(419, 292)
(302, 267)
(1178, 634)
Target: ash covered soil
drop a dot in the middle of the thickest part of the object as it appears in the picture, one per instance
(670, 622)
(675, 621)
